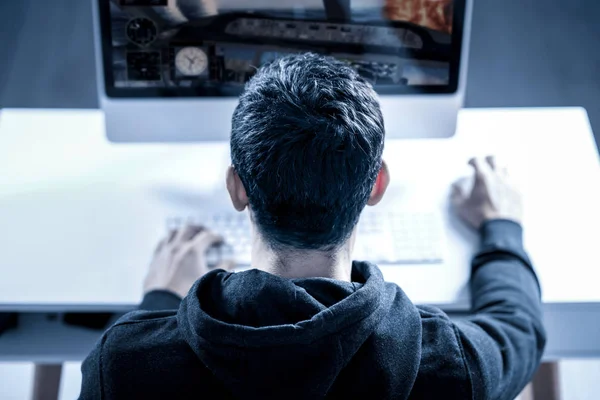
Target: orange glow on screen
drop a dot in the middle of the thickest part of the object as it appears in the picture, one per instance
(432, 14)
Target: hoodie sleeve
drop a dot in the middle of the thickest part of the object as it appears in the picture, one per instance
(504, 338)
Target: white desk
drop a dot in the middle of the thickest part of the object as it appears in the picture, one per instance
(80, 216)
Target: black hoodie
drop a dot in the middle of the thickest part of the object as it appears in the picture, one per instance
(253, 335)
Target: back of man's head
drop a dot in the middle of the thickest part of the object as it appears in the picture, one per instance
(306, 142)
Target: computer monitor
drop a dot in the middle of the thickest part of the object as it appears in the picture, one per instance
(172, 70)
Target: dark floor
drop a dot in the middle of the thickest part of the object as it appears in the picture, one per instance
(523, 53)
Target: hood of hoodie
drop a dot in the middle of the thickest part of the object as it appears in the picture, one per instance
(290, 338)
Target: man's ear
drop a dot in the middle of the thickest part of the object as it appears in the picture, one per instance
(380, 186)
(236, 190)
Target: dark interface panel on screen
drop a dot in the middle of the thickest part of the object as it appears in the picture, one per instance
(215, 46)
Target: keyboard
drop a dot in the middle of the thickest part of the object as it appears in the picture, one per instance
(400, 237)
(384, 237)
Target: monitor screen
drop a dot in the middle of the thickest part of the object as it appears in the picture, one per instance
(195, 48)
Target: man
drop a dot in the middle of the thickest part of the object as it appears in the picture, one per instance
(308, 322)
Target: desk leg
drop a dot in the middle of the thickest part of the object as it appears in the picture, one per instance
(546, 382)
(544, 385)
(526, 394)
(46, 381)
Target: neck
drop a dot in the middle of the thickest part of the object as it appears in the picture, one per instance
(293, 263)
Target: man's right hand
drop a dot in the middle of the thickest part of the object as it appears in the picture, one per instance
(180, 260)
(492, 196)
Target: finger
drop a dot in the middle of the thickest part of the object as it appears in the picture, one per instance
(228, 265)
(187, 232)
(473, 163)
(200, 244)
(457, 194)
(491, 160)
(482, 169)
(476, 163)
(202, 241)
(498, 165)
(192, 231)
(160, 245)
(171, 235)
(206, 239)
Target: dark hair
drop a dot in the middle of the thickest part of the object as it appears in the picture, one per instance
(306, 142)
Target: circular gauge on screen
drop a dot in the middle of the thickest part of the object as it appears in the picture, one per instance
(141, 31)
(191, 61)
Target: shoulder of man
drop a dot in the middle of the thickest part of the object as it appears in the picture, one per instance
(137, 355)
(138, 337)
(151, 330)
